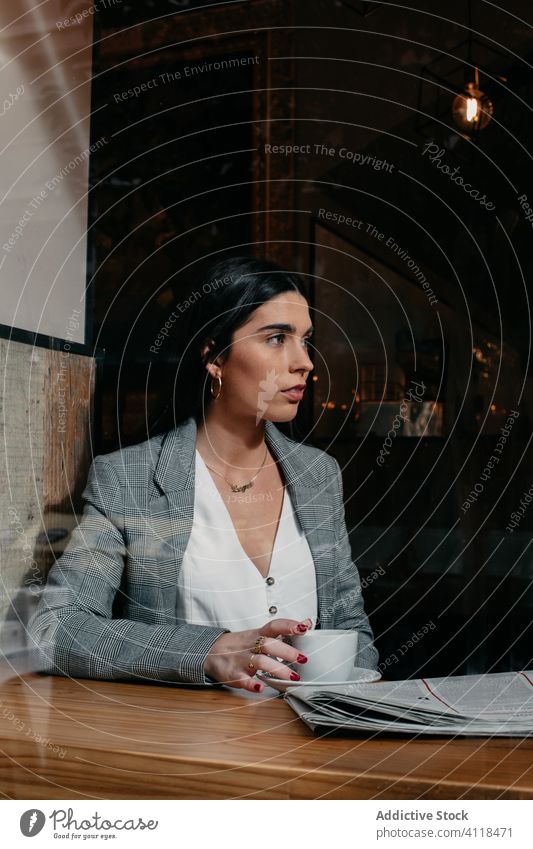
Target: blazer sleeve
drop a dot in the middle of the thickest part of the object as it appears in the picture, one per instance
(72, 631)
(349, 607)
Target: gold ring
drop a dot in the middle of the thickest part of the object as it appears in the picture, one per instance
(258, 645)
(250, 663)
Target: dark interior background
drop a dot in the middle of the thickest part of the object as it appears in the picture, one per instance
(186, 177)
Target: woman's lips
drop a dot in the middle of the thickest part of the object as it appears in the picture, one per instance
(294, 394)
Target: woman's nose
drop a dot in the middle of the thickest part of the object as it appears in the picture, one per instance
(301, 359)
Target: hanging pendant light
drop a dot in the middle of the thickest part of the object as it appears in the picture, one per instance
(472, 110)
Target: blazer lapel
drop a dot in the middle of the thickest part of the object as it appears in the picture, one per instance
(171, 513)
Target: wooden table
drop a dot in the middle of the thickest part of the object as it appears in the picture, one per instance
(83, 739)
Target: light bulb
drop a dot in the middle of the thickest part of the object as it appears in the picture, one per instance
(472, 110)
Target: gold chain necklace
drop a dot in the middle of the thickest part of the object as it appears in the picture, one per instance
(240, 487)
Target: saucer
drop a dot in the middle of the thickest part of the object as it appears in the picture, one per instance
(360, 676)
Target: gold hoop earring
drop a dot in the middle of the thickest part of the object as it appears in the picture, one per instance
(219, 387)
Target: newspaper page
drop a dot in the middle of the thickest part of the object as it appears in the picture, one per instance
(477, 705)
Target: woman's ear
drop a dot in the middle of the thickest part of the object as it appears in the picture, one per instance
(206, 349)
(214, 367)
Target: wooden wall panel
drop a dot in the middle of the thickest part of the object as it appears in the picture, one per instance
(46, 408)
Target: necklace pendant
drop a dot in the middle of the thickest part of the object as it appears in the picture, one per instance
(236, 488)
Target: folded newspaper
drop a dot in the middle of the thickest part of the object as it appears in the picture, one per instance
(498, 704)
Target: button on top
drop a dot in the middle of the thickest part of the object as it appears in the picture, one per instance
(270, 581)
(273, 609)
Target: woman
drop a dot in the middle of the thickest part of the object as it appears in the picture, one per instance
(202, 549)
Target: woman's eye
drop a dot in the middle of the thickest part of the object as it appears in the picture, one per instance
(305, 341)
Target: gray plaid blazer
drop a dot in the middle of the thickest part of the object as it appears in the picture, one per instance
(109, 606)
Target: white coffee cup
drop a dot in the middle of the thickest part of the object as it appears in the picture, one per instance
(330, 655)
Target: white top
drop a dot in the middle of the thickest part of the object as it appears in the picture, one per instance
(220, 585)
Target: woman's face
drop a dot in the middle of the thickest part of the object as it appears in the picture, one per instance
(268, 356)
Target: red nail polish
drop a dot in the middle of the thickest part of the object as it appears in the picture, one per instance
(301, 658)
(294, 676)
(257, 687)
(301, 628)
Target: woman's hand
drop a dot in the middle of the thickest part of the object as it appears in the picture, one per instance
(229, 656)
